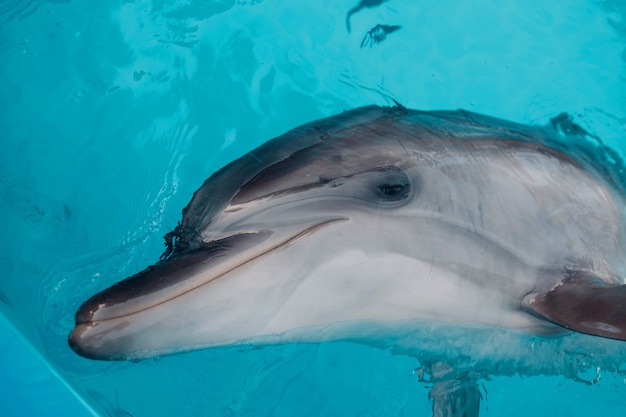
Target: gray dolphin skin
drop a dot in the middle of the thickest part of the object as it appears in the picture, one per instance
(448, 235)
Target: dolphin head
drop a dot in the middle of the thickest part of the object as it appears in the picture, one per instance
(244, 239)
(372, 217)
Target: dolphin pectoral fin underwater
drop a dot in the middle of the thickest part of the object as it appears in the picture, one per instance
(453, 237)
(585, 304)
(459, 397)
(453, 394)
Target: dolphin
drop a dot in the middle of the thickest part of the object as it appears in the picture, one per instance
(459, 238)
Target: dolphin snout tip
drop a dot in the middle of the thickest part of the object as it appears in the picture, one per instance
(79, 343)
(89, 343)
(77, 339)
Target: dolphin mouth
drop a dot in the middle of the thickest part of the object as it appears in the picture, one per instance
(176, 276)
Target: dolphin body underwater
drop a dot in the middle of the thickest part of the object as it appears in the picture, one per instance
(480, 246)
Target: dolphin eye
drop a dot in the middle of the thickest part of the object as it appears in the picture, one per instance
(394, 190)
(392, 184)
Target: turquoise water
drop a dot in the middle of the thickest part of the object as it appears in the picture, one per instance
(114, 112)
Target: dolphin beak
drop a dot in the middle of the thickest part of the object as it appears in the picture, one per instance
(151, 312)
(117, 306)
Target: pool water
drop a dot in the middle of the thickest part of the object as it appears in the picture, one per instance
(113, 113)
(30, 386)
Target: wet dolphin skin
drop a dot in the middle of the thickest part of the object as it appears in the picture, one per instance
(378, 219)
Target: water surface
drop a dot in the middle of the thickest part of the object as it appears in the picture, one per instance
(114, 112)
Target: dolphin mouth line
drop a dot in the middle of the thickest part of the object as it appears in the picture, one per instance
(278, 246)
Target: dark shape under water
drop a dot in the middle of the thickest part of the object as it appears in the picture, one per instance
(363, 4)
(378, 34)
(460, 239)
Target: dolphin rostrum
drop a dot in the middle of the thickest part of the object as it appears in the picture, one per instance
(388, 225)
